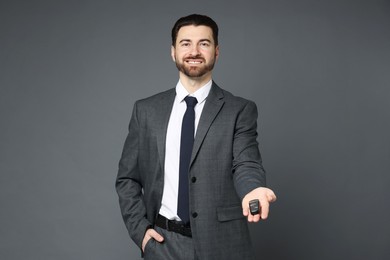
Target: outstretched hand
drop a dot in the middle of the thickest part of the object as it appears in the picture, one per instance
(265, 197)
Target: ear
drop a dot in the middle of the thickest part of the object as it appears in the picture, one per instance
(216, 52)
(173, 52)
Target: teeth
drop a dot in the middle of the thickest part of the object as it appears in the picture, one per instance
(194, 62)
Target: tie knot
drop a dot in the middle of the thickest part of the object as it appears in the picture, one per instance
(191, 101)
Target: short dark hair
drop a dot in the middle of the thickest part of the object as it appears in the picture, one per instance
(195, 19)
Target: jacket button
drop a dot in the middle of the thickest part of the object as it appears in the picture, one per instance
(194, 214)
(193, 179)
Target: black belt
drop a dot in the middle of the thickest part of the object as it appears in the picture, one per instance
(174, 226)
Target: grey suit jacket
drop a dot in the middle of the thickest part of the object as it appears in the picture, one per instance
(225, 166)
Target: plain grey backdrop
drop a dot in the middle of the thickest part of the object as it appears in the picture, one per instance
(319, 72)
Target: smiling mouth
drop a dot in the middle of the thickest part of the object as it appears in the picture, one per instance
(194, 62)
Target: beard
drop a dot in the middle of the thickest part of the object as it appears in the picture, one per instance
(195, 71)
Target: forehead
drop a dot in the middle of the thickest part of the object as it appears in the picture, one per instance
(192, 32)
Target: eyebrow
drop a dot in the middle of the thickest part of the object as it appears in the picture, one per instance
(201, 40)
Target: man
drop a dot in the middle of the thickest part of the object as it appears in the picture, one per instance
(190, 164)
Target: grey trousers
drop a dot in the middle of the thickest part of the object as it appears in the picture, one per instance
(174, 247)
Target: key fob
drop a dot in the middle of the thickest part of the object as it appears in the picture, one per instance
(254, 206)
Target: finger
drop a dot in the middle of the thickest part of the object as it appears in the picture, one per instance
(250, 218)
(256, 218)
(271, 197)
(144, 244)
(145, 241)
(155, 235)
(264, 209)
(245, 209)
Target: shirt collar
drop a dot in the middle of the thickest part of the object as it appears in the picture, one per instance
(201, 94)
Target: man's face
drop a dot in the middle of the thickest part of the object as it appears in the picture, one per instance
(195, 52)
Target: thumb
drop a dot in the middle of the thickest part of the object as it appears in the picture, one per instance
(155, 235)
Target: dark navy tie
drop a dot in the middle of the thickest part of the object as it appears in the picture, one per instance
(186, 144)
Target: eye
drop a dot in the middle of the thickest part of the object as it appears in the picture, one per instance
(204, 44)
(185, 44)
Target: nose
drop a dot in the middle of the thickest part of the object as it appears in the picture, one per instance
(194, 50)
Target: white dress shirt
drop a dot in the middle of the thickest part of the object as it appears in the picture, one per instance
(172, 148)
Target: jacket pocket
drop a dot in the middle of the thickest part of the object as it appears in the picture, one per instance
(229, 213)
(148, 245)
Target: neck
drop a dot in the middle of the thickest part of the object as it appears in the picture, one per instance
(193, 84)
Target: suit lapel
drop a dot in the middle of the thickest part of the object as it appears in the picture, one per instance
(213, 105)
(164, 112)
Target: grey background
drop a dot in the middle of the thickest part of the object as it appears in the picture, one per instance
(318, 70)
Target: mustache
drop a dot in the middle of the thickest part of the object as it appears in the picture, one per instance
(198, 56)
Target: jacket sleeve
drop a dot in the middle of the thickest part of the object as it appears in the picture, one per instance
(248, 172)
(129, 185)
